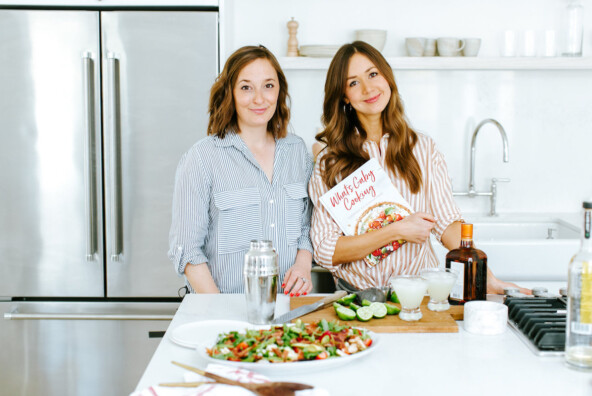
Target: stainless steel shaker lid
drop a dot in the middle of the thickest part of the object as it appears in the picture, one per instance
(261, 260)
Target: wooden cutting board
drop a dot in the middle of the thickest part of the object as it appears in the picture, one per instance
(431, 322)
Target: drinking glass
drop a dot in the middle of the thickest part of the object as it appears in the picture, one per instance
(410, 290)
(440, 283)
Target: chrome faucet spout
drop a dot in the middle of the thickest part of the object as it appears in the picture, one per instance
(474, 140)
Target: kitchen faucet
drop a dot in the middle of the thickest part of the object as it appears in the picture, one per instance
(492, 193)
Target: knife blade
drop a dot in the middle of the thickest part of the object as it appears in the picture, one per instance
(303, 310)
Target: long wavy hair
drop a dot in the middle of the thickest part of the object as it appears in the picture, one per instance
(344, 135)
(222, 110)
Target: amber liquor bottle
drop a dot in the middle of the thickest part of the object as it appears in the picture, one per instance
(471, 266)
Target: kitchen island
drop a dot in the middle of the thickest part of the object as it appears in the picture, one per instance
(403, 363)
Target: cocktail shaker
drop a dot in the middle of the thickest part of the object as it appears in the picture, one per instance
(261, 278)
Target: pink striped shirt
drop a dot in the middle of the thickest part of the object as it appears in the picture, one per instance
(435, 198)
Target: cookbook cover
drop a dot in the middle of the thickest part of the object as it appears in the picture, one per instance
(366, 201)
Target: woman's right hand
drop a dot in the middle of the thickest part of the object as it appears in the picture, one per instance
(415, 228)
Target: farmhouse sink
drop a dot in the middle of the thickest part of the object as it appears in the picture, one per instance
(523, 248)
(523, 229)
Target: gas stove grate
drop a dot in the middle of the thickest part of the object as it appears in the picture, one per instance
(539, 322)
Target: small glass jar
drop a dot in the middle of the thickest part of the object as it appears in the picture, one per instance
(573, 28)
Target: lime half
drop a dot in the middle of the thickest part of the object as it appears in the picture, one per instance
(346, 300)
(364, 314)
(391, 309)
(345, 313)
(378, 310)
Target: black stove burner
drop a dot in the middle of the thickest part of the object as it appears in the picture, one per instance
(540, 322)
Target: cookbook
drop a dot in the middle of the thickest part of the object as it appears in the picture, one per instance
(366, 201)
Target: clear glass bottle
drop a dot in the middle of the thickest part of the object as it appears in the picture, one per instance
(578, 337)
(471, 266)
(573, 28)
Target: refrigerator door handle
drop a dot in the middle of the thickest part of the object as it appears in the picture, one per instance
(114, 125)
(89, 168)
(65, 316)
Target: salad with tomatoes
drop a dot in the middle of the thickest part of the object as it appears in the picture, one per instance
(377, 217)
(291, 343)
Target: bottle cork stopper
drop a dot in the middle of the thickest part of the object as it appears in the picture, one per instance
(466, 231)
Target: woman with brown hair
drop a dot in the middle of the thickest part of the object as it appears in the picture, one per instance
(363, 118)
(247, 180)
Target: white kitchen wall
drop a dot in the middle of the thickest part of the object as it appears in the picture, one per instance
(546, 114)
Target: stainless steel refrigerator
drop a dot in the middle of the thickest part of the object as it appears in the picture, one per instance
(96, 109)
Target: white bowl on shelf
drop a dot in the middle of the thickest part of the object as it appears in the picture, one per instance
(374, 37)
(318, 51)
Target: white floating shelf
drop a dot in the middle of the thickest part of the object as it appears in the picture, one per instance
(453, 63)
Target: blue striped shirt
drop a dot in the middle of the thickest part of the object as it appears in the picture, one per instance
(223, 200)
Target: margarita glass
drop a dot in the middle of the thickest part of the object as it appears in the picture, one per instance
(440, 283)
(410, 290)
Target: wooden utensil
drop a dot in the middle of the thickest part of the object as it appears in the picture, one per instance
(264, 389)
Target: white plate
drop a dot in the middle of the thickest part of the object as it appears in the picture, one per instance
(265, 367)
(190, 335)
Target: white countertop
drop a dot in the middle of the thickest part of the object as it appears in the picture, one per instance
(410, 364)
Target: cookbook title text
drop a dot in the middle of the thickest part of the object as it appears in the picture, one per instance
(353, 193)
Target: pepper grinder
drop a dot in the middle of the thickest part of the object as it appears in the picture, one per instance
(292, 40)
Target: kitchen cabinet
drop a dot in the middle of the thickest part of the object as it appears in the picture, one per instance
(96, 356)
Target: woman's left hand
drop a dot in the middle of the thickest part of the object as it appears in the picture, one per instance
(496, 286)
(297, 281)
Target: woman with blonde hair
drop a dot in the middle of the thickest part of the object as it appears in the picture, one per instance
(247, 180)
(363, 118)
